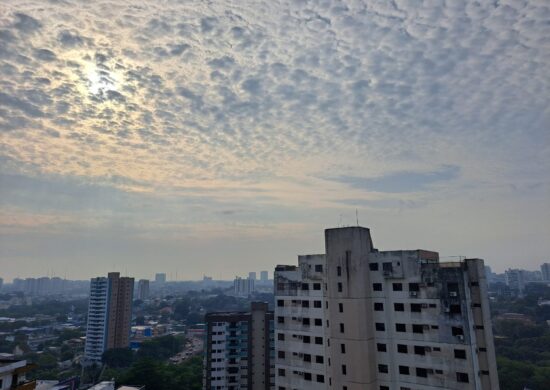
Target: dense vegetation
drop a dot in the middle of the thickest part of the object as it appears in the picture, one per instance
(147, 367)
(523, 347)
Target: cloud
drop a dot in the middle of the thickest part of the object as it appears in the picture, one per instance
(373, 95)
(400, 182)
(26, 23)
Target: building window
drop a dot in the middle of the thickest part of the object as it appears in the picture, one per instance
(479, 327)
(339, 271)
(305, 286)
(305, 303)
(305, 321)
(400, 328)
(378, 306)
(482, 349)
(373, 266)
(344, 370)
(421, 372)
(319, 340)
(460, 354)
(379, 326)
(317, 286)
(341, 328)
(341, 307)
(462, 377)
(387, 267)
(397, 286)
(280, 336)
(484, 372)
(307, 376)
(381, 347)
(383, 368)
(455, 309)
(457, 331)
(320, 378)
(307, 357)
(377, 287)
(414, 287)
(317, 304)
(281, 372)
(399, 306)
(348, 256)
(280, 302)
(419, 350)
(416, 307)
(418, 328)
(318, 268)
(402, 348)
(281, 354)
(339, 286)
(384, 388)
(281, 320)
(318, 322)
(306, 339)
(319, 359)
(343, 348)
(404, 370)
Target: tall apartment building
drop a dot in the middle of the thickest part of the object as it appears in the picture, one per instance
(264, 276)
(300, 361)
(252, 275)
(143, 289)
(545, 271)
(243, 287)
(160, 278)
(109, 314)
(239, 350)
(394, 320)
(515, 280)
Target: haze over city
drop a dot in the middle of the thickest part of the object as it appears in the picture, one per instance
(218, 138)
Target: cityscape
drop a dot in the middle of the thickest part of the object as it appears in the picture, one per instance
(425, 323)
(275, 195)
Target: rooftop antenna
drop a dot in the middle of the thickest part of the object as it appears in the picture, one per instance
(340, 222)
(357, 216)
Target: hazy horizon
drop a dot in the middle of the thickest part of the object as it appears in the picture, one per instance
(223, 138)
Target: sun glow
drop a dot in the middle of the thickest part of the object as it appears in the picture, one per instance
(99, 80)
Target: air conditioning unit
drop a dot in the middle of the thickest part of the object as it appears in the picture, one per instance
(453, 294)
(424, 305)
(428, 349)
(460, 337)
(430, 370)
(413, 294)
(447, 310)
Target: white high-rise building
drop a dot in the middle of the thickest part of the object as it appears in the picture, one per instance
(243, 287)
(393, 320)
(109, 315)
(252, 275)
(143, 289)
(515, 279)
(264, 276)
(300, 324)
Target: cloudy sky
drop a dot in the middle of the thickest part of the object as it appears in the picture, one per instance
(221, 137)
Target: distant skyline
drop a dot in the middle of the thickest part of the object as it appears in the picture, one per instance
(222, 138)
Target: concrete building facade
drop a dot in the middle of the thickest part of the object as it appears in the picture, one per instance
(398, 320)
(300, 361)
(545, 271)
(239, 350)
(243, 287)
(109, 314)
(143, 289)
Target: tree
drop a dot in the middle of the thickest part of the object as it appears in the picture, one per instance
(118, 357)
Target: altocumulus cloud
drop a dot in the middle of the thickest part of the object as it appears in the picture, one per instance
(395, 103)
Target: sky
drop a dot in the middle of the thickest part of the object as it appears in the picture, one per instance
(216, 138)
